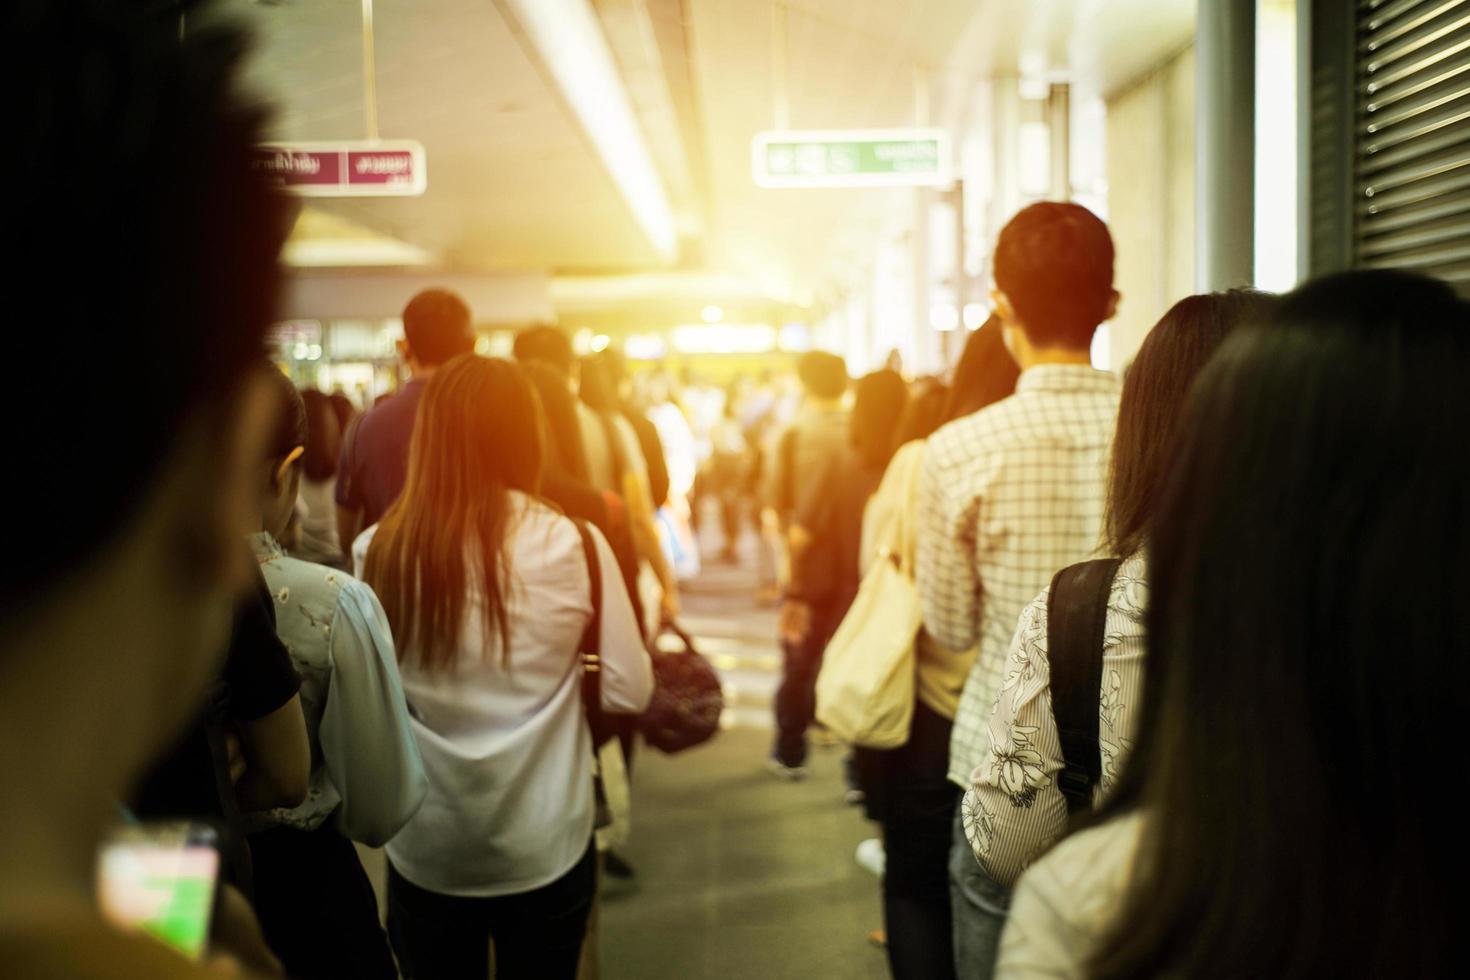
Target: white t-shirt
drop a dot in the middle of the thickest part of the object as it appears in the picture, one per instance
(505, 745)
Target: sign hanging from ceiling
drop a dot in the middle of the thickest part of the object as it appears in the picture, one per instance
(851, 158)
(380, 168)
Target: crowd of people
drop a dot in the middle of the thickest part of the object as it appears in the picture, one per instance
(1189, 646)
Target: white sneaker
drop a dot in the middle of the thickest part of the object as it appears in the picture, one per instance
(870, 856)
(781, 770)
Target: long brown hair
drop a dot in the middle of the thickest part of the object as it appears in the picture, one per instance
(476, 437)
(1152, 403)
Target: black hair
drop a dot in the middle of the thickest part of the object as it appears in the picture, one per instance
(345, 411)
(878, 404)
(130, 167)
(1154, 388)
(547, 344)
(1054, 262)
(985, 373)
(323, 436)
(1309, 651)
(596, 388)
(823, 375)
(291, 428)
(437, 327)
(565, 453)
(924, 413)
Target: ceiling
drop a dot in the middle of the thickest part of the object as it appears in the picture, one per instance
(514, 184)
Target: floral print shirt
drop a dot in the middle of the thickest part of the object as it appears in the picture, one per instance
(1014, 809)
(366, 770)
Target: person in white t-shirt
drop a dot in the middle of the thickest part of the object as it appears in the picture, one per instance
(487, 589)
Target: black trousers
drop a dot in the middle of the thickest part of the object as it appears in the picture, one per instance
(537, 934)
(316, 905)
(796, 697)
(909, 791)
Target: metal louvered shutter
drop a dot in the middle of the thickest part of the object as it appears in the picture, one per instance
(1412, 132)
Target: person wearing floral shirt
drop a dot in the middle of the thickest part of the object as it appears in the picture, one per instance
(367, 779)
(1015, 809)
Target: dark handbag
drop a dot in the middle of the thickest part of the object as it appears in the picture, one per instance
(1076, 632)
(687, 699)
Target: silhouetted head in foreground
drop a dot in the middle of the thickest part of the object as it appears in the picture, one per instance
(149, 265)
(1309, 650)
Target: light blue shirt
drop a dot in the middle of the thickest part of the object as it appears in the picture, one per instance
(365, 764)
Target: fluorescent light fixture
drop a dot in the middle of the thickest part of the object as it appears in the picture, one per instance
(725, 338)
(568, 39)
(645, 347)
(712, 314)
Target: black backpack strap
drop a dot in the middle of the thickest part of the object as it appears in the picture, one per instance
(591, 643)
(1076, 625)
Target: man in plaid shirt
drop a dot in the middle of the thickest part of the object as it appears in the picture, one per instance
(1013, 493)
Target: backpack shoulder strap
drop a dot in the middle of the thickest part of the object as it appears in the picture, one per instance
(1076, 625)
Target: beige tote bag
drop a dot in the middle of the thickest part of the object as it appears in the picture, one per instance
(865, 691)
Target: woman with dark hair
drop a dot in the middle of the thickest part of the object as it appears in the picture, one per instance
(318, 536)
(908, 788)
(985, 373)
(488, 591)
(1017, 805)
(1309, 648)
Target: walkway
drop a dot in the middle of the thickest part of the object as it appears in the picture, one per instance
(739, 874)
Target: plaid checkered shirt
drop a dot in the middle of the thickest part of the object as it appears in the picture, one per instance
(1008, 496)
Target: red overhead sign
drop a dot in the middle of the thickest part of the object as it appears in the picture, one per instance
(382, 168)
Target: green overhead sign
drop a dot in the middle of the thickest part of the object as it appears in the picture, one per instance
(851, 158)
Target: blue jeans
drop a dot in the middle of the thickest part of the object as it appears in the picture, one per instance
(979, 904)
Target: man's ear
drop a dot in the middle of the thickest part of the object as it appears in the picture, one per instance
(1001, 303)
(1112, 308)
(404, 352)
(281, 472)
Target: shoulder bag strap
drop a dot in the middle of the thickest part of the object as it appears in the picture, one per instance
(1076, 625)
(591, 643)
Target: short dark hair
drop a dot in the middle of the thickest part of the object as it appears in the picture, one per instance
(323, 435)
(823, 375)
(137, 150)
(1154, 389)
(291, 428)
(547, 344)
(437, 326)
(1054, 262)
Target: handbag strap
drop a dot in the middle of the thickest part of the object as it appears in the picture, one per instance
(1076, 631)
(590, 646)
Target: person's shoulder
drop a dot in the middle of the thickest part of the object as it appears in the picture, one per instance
(1089, 869)
(979, 433)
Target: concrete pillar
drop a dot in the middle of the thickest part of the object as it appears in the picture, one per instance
(1225, 48)
(1059, 125)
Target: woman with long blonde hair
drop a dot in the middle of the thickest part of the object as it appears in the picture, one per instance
(488, 590)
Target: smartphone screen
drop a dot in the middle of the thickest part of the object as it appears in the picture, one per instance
(160, 878)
